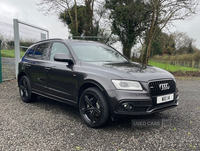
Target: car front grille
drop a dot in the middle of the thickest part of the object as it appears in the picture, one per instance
(155, 90)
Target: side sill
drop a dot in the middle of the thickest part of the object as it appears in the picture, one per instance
(56, 98)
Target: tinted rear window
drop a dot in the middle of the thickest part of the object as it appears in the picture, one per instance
(40, 52)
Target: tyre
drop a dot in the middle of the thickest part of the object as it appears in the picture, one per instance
(25, 90)
(93, 107)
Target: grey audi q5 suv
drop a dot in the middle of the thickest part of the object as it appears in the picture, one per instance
(96, 78)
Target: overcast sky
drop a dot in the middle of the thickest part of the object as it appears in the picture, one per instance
(27, 10)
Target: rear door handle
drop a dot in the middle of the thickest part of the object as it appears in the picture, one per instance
(28, 65)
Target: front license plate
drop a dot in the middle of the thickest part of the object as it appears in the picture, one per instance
(165, 98)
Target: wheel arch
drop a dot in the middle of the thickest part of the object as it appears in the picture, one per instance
(20, 75)
(88, 84)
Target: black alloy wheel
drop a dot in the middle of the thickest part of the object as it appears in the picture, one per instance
(25, 90)
(93, 107)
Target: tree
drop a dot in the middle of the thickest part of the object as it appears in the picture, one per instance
(190, 48)
(56, 6)
(129, 20)
(78, 18)
(166, 42)
(65, 18)
(156, 48)
(165, 12)
(89, 17)
(162, 44)
(183, 43)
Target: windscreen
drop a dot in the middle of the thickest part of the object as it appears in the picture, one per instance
(94, 52)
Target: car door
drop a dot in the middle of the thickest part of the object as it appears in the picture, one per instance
(28, 61)
(35, 67)
(60, 80)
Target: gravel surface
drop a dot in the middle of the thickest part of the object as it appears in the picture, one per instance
(50, 125)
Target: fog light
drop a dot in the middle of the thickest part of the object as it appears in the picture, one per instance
(127, 106)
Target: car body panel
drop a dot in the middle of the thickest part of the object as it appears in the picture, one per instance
(36, 71)
(129, 70)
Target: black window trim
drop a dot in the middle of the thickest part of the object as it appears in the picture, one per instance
(70, 53)
(36, 48)
(50, 48)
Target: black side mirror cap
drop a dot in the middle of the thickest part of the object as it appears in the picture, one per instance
(62, 57)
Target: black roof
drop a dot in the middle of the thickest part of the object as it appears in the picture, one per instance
(66, 40)
(49, 40)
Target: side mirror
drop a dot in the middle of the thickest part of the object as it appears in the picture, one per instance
(62, 57)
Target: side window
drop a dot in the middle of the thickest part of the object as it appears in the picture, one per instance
(30, 52)
(58, 47)
(42, 51)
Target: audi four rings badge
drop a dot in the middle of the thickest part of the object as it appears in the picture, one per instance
(164, 86)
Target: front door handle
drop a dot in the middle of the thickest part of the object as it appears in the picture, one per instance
(47, 69)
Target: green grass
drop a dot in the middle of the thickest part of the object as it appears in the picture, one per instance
(10, 53)
(171, 68)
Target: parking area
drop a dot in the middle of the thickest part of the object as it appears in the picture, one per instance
(49, 125)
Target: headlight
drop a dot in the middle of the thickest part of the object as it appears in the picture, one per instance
(127, 85)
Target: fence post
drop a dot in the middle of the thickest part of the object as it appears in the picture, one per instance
(166, 65)
(0, 65)
(17, 45)
(193, 63)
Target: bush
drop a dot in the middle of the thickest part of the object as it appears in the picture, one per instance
(196, 56)
(26, 44)
(10, 45)
(166, 57)
(183, 57)
(172, 58)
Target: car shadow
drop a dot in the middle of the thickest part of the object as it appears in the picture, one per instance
(72, 113)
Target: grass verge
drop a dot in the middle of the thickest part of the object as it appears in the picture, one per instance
(171, 68)
(10, 53)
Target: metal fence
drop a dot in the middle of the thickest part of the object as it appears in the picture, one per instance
(18, 33)
(16, 24)
(0, 65)
(8, 68)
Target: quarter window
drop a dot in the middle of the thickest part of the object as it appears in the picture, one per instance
(30, 53)
(58, 47)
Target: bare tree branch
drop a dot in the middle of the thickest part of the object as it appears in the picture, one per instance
(166, 11)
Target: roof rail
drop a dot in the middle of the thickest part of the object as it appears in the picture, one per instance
(49, 40)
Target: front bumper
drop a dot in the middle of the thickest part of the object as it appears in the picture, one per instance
(124, 103)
